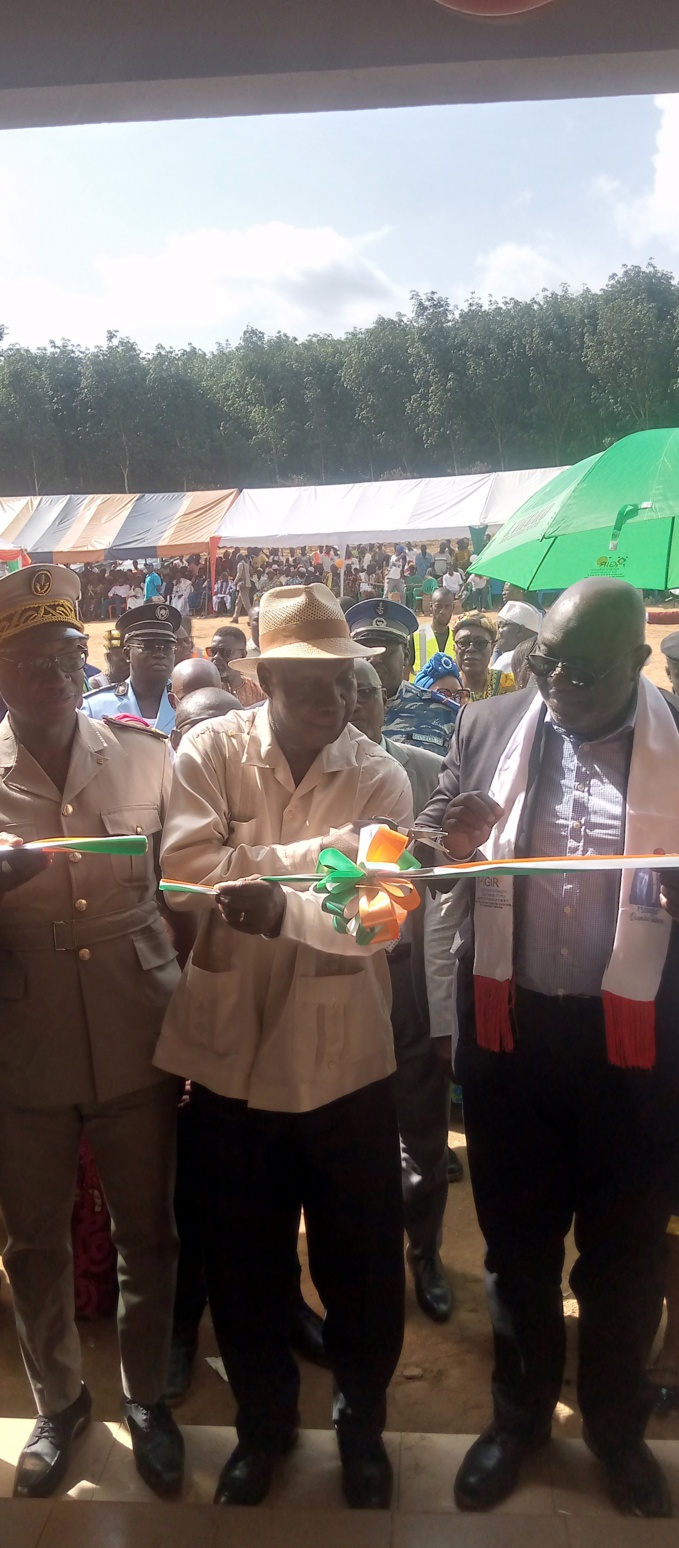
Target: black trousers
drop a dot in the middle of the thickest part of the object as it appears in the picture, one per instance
(191, 1293)
(341, 1164)
(554, 1133)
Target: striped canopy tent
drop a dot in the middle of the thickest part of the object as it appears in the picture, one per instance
(73, 529)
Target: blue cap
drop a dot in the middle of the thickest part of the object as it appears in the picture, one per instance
(379, 621)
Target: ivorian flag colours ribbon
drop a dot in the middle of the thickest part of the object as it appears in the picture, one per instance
(362, 904)
(383, 887)
(113, 844)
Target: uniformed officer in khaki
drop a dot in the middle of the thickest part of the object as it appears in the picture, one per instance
(86, 972)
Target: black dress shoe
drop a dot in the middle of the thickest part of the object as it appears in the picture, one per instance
(307, 1336)
(490, 1470)
(455, 1167)
(636, 1482)
(44, 1459)
(180, 1369)
(246, 1478)
(367, 1478)
(432, 1289)
(157, 1444)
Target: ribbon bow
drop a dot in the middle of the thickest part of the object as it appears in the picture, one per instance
(371, 911)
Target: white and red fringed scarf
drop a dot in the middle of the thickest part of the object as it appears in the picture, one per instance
(632, 977)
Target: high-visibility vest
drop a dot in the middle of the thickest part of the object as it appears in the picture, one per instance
(426, 646)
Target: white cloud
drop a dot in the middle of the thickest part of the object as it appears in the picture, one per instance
(517, 270)
(210, 283)
(656, 213)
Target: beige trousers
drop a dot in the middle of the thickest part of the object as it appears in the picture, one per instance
(133, 1143)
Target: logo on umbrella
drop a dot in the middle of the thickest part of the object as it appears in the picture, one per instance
(606, 563)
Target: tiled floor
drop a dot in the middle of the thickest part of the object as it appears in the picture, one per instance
(560, 1503)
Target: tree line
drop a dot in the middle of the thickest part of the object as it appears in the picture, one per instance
(447, 389)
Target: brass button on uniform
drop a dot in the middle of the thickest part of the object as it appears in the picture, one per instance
(81, 905)
(84, 954)
(139, 830)
(67, 810)
(74, 856)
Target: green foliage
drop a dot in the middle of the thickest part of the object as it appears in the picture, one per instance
(445, 390)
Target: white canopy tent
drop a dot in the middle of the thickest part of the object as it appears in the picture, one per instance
(393, 511)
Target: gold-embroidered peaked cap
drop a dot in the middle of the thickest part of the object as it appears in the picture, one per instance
(39, 594)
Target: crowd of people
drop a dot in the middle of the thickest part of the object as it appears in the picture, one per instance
(230, 1052)
(241, 577)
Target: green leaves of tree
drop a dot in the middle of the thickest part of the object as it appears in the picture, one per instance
(444, 390)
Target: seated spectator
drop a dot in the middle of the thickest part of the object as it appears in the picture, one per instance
(118, 594)
(181, 592)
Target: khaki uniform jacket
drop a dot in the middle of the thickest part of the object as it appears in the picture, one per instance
(86, 964)
(290, 1024)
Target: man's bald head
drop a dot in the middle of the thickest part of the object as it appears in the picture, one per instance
(608, 610)
(203, 704)
(596, 632)
(189, 676)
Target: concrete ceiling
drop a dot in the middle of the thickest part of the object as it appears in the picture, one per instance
(88, 61)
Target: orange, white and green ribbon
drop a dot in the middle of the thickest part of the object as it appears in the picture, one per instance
(372, 907)
(112, 844)
(457, 870)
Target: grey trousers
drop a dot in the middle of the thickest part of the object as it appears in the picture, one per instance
(133, 1143)
(422, 1104)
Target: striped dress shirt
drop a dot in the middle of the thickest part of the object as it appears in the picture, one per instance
(565, 924)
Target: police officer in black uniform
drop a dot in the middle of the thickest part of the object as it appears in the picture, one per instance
(413, 715)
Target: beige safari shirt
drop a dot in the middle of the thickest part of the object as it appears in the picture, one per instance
(290, 1024)
(86, 964)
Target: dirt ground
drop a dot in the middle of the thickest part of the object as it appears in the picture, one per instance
(443, 1379)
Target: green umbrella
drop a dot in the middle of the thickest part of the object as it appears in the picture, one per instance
(613, 514)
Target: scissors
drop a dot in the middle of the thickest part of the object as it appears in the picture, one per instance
(434, 837)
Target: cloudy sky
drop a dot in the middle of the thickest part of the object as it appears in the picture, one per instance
(188, 231)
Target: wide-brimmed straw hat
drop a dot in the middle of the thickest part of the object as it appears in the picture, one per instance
(302, 623)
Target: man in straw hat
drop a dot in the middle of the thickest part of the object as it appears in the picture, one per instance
(86, 970)
(282, 1024)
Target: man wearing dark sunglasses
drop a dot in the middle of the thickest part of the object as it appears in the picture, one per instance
(86, 972)
(568, 1053)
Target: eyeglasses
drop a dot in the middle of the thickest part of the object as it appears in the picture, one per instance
(366, 695)
(579, 677)
(70, 662)
(153, 647)
(457, 695)
(464, 642)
